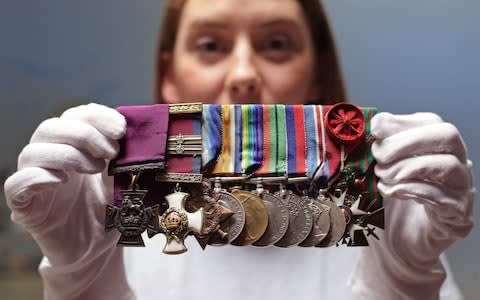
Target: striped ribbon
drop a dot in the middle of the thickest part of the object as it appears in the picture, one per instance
(238, 139)
(331, 156)
(314, 140)
(296, 143)
(269, 166)
(211, 133)
(249, 138)
(275, 141)
(362, 162)
(186, 125)
(225, 163)
(281, 139)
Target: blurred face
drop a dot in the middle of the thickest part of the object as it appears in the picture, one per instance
(241, 51)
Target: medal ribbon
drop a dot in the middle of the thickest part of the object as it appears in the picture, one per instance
(225, 163)
(187, 124)
(143, 148)
(281, 167)
(331, 156)
(211, 133)
(270, 144)
(362, 162)
(238, 139)
(146, 136)
(296, 143)
(314, 144)
(249, 138)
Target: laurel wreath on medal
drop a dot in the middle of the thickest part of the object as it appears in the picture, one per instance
(183, 223)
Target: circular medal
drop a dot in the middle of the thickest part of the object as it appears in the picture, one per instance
(321, 223)
(299, 220)
(337, 224)
(277, 220)
(256, 217)
(233, 225)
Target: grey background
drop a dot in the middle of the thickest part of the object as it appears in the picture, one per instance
(402, 56)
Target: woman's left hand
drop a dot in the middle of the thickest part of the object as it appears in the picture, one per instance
(426, 182)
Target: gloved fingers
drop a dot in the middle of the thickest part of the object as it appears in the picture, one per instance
(451, 203)
(386, 124)
(78, 134)
(22, 184)
(107, 121)
(59, 157)
(440, 169)
(438, 138)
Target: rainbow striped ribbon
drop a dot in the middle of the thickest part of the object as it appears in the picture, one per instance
(249, 138)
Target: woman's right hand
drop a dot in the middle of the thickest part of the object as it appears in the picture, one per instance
(59, 194)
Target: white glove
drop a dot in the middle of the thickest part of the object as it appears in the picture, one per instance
(427, 188)
(59, 194)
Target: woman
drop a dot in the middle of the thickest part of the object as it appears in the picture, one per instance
(239, 51)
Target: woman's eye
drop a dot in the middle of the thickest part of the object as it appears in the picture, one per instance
(278, 42)
(278, 48)
(208, 45)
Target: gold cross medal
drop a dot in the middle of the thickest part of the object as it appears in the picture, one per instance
(176, 222)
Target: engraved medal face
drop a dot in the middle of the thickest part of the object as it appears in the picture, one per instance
(232, 226)
(132, 218)
(300, 220)
(277, 220)
(338, 224)
(321, 223)
(256, 218)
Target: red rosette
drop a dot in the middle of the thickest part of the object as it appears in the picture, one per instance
(346, 125)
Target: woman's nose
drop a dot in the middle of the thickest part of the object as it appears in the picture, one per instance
(244, 89)
(243, 80)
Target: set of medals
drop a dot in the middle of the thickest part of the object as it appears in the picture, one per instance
(221, 206)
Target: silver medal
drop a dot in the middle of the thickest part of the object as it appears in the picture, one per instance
(299, 222)
(338, 224)
(321, 223)
(277, 220)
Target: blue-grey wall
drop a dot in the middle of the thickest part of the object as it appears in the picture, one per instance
(399, 55)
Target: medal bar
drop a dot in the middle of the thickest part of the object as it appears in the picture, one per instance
(283, 175)
(185, 108)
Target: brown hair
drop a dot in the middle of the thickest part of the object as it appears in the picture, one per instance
(329, 76)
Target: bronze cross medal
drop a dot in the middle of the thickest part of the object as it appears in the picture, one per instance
(132, 218)
(176, 222)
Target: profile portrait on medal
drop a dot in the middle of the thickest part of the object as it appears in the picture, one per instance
(251, 174)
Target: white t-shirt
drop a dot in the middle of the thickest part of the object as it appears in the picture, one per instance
(232, 272)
